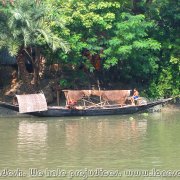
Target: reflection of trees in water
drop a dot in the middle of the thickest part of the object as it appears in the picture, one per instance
(98, 133)
(32, 138)
(8, 141)
(72, 131)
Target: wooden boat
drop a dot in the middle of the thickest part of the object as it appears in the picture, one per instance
(58, 111)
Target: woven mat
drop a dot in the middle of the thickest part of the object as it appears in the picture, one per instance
(31, 103)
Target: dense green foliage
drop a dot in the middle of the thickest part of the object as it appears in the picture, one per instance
(26, 34)
(166, 14)
(136, 41)
(26, 24)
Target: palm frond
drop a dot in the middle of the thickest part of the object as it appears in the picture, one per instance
(26, 37)
(59, 43)
(13, 48)
(17, 15)
(44, 34)
(27, 25)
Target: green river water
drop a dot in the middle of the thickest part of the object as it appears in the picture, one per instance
(141, 146)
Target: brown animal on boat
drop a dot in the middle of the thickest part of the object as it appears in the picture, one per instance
(117, 96)
(72, 96)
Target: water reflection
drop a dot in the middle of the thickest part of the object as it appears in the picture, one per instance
(32, 137)
(72, 133)
(96, 133)
(119, 142)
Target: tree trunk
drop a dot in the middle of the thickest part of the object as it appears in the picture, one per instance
(36, 63)
(29, 88)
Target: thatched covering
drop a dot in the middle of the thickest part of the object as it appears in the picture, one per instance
(31, 103)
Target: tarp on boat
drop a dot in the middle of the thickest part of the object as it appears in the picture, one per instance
(32, 102)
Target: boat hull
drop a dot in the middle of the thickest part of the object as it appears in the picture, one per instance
(54, 111)
(88, 112)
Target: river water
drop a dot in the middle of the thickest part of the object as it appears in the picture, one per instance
(142, 146)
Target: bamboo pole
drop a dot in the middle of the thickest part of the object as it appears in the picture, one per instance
(58, 98)
(100, 98)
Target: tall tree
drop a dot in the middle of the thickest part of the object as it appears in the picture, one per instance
(166, 15)
(115, 32)
(26, 33)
